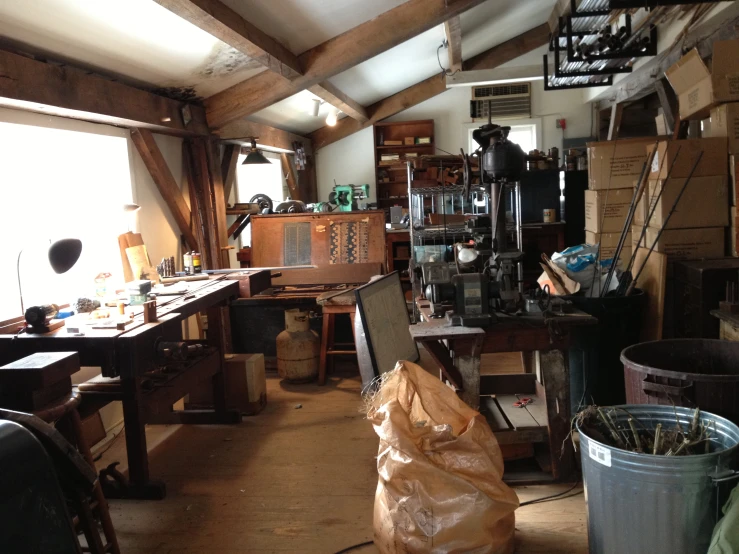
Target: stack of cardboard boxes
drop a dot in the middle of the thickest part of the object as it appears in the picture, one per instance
(614, 168)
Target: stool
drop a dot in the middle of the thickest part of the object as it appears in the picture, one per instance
(63, 413)
(330, 309)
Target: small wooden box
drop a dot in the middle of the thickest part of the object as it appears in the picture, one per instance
(410, 141)
(35, 381)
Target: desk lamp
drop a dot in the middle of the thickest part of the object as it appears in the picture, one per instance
(63, 254)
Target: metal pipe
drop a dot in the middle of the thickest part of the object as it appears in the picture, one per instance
(667, 220)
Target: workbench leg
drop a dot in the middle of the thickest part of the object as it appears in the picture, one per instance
(555, 375)
(324, 349)
(140, 486)
(217, 339)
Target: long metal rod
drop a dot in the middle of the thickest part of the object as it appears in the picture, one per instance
(664, 225)
(247, 269)
(653, 205)
(638, 191)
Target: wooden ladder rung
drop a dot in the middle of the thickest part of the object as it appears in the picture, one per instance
(339, 352)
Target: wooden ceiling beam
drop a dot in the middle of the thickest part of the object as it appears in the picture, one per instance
(329, 93)
(165, 182)
(453, 32)
(420, 92)
(239, 131)
(338, 54)
(64, 91)
(561, 8)
(217, 19)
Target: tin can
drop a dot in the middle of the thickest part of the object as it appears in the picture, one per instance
(196, 267)
(550, 215)
(187, 263)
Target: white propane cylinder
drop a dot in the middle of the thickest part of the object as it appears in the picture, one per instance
(298, 349)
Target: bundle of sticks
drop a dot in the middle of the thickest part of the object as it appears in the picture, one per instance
(601, 425)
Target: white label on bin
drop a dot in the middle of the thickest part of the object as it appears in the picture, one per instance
(600, 454)
(655, 162)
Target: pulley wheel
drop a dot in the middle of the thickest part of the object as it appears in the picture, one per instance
(264, 202)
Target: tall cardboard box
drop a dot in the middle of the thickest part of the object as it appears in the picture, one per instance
(608, 243)
(698, 89)
(725, 123)
(609, 207)
(705, 202)
(733, 173)
(714, 161)
(687, 244)
(616, 164)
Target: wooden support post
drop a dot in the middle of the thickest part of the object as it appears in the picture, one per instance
(165, 182)
(201, 180)
(229, 165)
(219, 202)
(617, 112)
(291, 176)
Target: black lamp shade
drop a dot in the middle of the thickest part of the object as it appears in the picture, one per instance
(255, 156)
(64, 253)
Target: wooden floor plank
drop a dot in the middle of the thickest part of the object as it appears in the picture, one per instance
(290, 480)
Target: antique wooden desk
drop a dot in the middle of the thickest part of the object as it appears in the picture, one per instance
(543, 342)
(135, 374)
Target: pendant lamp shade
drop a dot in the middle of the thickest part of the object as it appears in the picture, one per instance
(255, 156)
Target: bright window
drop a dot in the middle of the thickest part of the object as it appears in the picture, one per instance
(256, 179)
(55, 184)
(523, 135)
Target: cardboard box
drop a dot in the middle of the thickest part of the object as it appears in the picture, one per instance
(640, 212)
(409, 141)
(608, 243)
(713, 162)
(661, 124)
(705, 203)
(688, 244)
(616, 164)
(609, 207)
(725, 123)
(698, 89)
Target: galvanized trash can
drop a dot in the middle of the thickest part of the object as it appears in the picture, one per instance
(645, 504)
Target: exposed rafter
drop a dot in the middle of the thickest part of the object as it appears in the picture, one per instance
(431, 87)
(35, 86)
(328, 92)
(222, 22)
(351, 48)
(561, 8)
(453, 32)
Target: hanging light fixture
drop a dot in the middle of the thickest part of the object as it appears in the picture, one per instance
(255, 156)
(332, 117)
(315, 107)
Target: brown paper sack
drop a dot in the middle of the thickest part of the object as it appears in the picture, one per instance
(440, 486)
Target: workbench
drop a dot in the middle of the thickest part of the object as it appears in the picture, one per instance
(543, 342)
(132, 373)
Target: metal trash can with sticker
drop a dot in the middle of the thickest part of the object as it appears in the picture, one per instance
(651, 504)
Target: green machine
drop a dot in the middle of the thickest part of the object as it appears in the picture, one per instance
(345, 196)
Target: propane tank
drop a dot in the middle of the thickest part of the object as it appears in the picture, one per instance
(298, 349)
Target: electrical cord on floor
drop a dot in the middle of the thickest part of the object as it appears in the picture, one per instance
(360, 545)
(558, 496)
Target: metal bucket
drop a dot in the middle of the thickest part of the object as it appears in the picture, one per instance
(685, 372)
(639, 503)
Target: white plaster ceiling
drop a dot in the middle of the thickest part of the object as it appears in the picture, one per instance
(302, 24)
(136, 40)
(483, 27)
(140, 42)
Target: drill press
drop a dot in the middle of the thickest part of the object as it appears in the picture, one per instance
(345, 196)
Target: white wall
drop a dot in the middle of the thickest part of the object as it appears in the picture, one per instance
(351, 160)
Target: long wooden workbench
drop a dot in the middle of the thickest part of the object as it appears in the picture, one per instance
(543, 341)
(146, 384)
